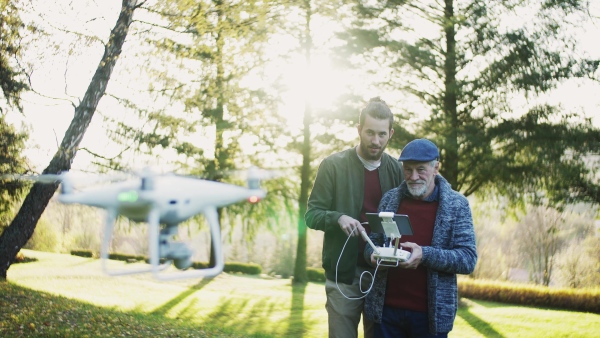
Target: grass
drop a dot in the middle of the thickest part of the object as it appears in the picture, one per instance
(68, 296)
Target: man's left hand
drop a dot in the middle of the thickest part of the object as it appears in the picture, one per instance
(415, 256)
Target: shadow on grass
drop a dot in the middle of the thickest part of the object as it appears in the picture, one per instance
(236, 315)
(296, 321)
(164, 309)
(255, 317)
(30, 313)
(478, 324)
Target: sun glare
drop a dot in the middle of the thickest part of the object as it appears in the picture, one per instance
(320, 83)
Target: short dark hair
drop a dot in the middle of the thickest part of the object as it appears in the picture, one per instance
(378, 109)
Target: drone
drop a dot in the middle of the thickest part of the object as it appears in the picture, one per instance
(162, 201)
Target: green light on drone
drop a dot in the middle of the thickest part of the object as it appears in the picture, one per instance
(128, 196)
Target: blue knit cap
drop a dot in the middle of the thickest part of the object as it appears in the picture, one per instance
(419, 150)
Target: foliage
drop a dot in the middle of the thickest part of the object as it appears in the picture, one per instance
(82, 253)
(316, 275)
(200, 107)
(12, 79)
(542, 244)
(540, 237)
(44, 238)
(243, 268)
(85, 237)
(23, 225)
(469, 68)
(12, 144)
(578, 264)
(585, 300)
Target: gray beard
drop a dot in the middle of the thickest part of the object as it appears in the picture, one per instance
(418, 192)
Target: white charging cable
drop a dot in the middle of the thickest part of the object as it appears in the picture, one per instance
(365, 293)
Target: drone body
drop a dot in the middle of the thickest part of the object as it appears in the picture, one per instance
(162, 201)
(177, 198)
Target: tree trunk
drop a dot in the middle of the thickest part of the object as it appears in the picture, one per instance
(16, 235)
(300, 266)
(450, 160)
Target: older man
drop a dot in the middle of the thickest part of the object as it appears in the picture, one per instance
(419, 298)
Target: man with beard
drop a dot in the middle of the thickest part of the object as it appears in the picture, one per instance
(349, 184)
(419, 298)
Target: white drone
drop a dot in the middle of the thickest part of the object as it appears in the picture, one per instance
(162, 199)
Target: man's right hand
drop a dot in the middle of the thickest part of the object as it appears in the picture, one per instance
(347, 224)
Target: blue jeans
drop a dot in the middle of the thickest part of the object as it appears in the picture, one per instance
(399, 323)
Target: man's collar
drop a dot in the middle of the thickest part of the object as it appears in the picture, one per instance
(369, 165)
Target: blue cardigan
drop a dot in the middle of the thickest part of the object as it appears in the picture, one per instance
(452, 252)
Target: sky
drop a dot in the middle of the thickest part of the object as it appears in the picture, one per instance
(54, 75)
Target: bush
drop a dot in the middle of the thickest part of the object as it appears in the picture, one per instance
(44, 238)
(82, 253)
(316, 275)
(126, 258)
(20, 258)
(586, 300)
(245, 268)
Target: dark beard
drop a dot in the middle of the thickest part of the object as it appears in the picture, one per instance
(367, 155)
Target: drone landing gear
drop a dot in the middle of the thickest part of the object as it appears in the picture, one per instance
(161, 246)
(215, 231)
(111, 216)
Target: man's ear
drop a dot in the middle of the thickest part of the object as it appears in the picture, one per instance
(391, 132)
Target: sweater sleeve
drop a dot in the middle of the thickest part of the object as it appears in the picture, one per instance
(460, 255)
(319, 214)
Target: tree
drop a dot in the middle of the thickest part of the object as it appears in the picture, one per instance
(22, 227)
(320, 126)
(12, 80)
(12, 162)
(539, 238)
(208, 112)
(12, 83)
(300, 276)
(468, 67)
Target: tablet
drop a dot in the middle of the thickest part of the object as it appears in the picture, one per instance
(378, 224)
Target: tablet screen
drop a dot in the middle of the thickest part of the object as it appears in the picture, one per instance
(402, 223)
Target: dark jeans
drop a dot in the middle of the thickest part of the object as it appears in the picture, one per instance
(398, 323)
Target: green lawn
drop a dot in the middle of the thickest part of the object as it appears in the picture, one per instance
(63, 295)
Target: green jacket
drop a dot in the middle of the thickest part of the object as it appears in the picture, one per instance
(338, 190)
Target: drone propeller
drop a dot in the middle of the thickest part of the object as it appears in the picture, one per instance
(63, 178)
(66, 178)
(147, 176)
(253, 175)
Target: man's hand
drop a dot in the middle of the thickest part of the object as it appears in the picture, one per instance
(373, 259)
(347, 224)
(415, 256)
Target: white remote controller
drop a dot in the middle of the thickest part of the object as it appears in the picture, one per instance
(387, 254)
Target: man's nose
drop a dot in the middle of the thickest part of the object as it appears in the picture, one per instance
(413, 175)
